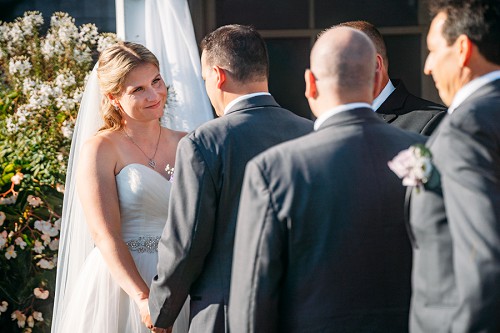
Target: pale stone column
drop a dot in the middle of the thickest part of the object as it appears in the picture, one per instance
(130, 16)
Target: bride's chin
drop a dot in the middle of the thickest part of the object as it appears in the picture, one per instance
(158, 111)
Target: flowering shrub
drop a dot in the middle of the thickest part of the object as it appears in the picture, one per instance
(41, 84)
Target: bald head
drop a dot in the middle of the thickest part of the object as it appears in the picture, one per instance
(345, 58)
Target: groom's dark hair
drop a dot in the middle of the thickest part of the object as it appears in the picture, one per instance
(238, 49)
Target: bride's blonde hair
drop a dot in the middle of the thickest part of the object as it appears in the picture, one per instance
(115, 63)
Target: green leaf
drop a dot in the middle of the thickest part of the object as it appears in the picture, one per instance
(61, 117)
(13, 94)
(9, 168)
(6, 178)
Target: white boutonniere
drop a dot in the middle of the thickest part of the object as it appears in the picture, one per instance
(414, 166)
(170, 173)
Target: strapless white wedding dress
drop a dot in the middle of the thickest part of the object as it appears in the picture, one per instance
(98, 304)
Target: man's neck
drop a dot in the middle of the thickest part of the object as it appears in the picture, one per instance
(387, 90)
(381, 86)
(234, 101)
(234, 90)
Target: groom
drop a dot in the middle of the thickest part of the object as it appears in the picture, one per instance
(196, 249)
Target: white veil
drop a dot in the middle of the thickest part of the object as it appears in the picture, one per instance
(170, 36)
(75, 242)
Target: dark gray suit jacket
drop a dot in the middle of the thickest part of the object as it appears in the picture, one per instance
(410, 112)
(196, 249)
(317, 248)
(456, 271)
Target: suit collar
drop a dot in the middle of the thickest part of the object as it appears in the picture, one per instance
(338, 109)
(252, 102)
(393, 105)
(473, 88)
(384, 95)
(350, 117)
(478, 94)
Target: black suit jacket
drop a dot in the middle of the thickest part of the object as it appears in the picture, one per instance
(410, 112)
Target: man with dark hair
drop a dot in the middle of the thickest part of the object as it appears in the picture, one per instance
(456, 224)
(196, 249)
(393, 102)
(316, 248)
(248, 61)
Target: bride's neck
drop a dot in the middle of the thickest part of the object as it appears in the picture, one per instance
(141, 129)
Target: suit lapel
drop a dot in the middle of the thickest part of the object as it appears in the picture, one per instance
(392, 106)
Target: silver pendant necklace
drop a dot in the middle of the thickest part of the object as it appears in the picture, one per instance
(151, 161)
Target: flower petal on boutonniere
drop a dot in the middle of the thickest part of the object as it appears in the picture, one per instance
(170, 173)
(414, 166)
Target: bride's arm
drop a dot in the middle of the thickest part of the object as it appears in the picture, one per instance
(97, 190)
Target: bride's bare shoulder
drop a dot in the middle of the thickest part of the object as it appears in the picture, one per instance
(175, 136)
(104, 143)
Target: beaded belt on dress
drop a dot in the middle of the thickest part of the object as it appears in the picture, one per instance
(144, 244)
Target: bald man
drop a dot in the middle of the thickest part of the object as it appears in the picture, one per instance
(393, 103)
(317, 248)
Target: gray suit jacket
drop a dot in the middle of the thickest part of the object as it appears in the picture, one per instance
(196, 249)
(456, 273)
(317, 247)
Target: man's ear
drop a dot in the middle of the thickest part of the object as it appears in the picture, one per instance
(465, 48)
(380, 63)
(221, 76)
(379, 70)
(311, 89)
(377, 83)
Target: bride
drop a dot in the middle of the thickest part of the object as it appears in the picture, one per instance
(123, 187)
(122, 182)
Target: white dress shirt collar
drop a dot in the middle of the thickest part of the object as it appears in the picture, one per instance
(384, 94)
(243, 97)
(471, 88)
(341, 108)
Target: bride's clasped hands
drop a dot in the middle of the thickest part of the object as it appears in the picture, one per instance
(146, 318)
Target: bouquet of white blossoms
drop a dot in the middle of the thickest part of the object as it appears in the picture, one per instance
(41, 84)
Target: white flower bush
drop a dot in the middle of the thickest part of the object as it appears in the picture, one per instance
(42, 78)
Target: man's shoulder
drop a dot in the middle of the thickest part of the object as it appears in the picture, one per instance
(251, 122)
(407, 102)
(407, 111)
(207, 134)
(418, 104)
(478, 112)
(287, 152)
(298, 153)
(486, 98)
(405, 135)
